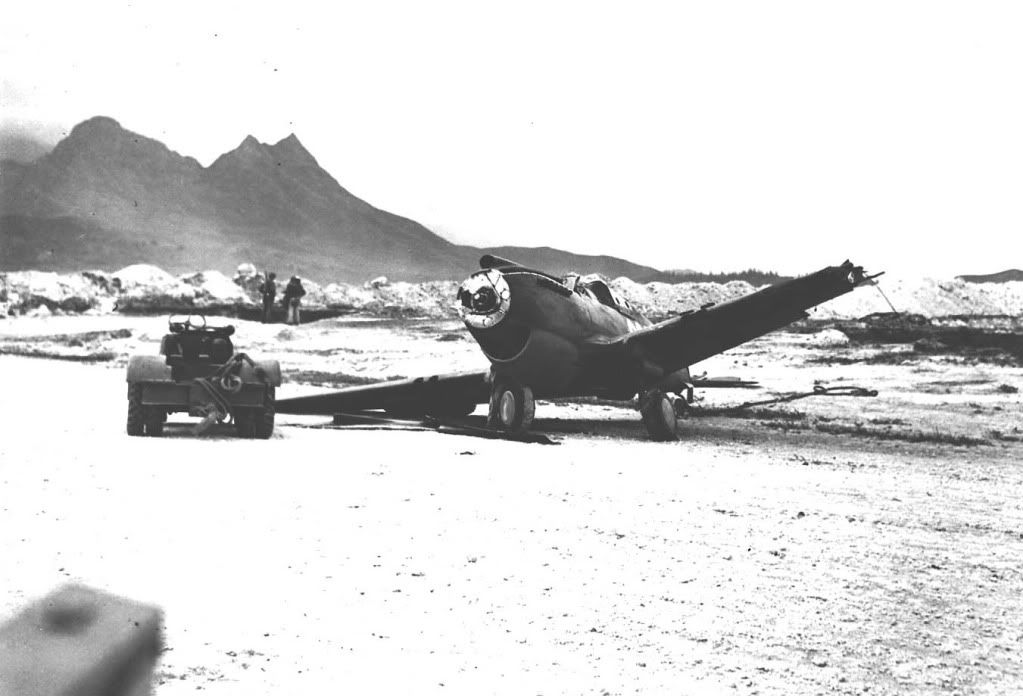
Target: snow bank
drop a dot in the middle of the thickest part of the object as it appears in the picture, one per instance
(660, 300)
(215, 288)
(25, 291)
(142, 274)
(929, 297)
(926, 296)
(146, 288)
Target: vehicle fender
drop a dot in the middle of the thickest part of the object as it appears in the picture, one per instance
(148, 368)
(270, 368)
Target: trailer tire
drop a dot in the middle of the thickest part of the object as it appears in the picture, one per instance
(244, 423)
(153, 420)
(263, 419)
(135, 425)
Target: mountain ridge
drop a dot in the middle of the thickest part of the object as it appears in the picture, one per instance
(132, 199)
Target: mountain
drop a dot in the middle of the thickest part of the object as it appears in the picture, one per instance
(558, 262)
(1000, 277)
(110, 195)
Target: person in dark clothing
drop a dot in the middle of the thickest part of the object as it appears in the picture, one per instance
(293, 294)
(269, 291)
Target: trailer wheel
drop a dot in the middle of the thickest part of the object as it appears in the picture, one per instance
(263, 419)
(244, 423)
(154, 418)
(136, 424)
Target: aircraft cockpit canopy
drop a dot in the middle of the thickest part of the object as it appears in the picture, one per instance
(594, 286)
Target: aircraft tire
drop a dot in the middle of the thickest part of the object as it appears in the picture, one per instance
(659, 417)
(511, 407)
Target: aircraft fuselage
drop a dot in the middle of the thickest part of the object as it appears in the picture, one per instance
(534, 328)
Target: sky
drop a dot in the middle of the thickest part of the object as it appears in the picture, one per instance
(705, 135)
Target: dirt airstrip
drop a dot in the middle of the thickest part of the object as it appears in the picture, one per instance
(829, 545)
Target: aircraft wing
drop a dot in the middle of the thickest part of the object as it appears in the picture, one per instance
(689, 338)
(437, 394)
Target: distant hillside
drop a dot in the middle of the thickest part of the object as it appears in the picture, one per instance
(72, 244)
(1000, 277)
(752, 276)
(21, 148)
(108, 197)
(557, 262)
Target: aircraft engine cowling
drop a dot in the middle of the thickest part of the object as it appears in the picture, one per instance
(484, 299)
(514, 338)
(539, 358)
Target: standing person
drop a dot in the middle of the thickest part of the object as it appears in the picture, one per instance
(292, 298)
(269, 291)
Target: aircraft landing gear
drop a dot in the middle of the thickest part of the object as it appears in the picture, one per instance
(511, 406)
(658, 411)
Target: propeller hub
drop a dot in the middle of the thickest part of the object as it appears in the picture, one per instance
(484, 299)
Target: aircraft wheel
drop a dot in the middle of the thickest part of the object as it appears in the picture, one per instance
(511, 407)
(136, 424)
(659, 417)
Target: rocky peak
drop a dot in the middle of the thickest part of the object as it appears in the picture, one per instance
(94, 133)
(250, 144)
(96, 125)
(291, 149)
(249, 152)
(103, 137)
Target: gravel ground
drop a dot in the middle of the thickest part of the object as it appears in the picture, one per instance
(763, 554)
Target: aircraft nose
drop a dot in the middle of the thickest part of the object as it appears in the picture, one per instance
(484, 299)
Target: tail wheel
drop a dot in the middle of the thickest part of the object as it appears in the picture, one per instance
(263, 419)
(659, 417)
(511, 407)
(136, 421)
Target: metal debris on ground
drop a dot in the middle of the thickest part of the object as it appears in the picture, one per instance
(373, 421)
(818, 390)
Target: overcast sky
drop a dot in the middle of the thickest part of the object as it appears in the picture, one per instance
(706, 135)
